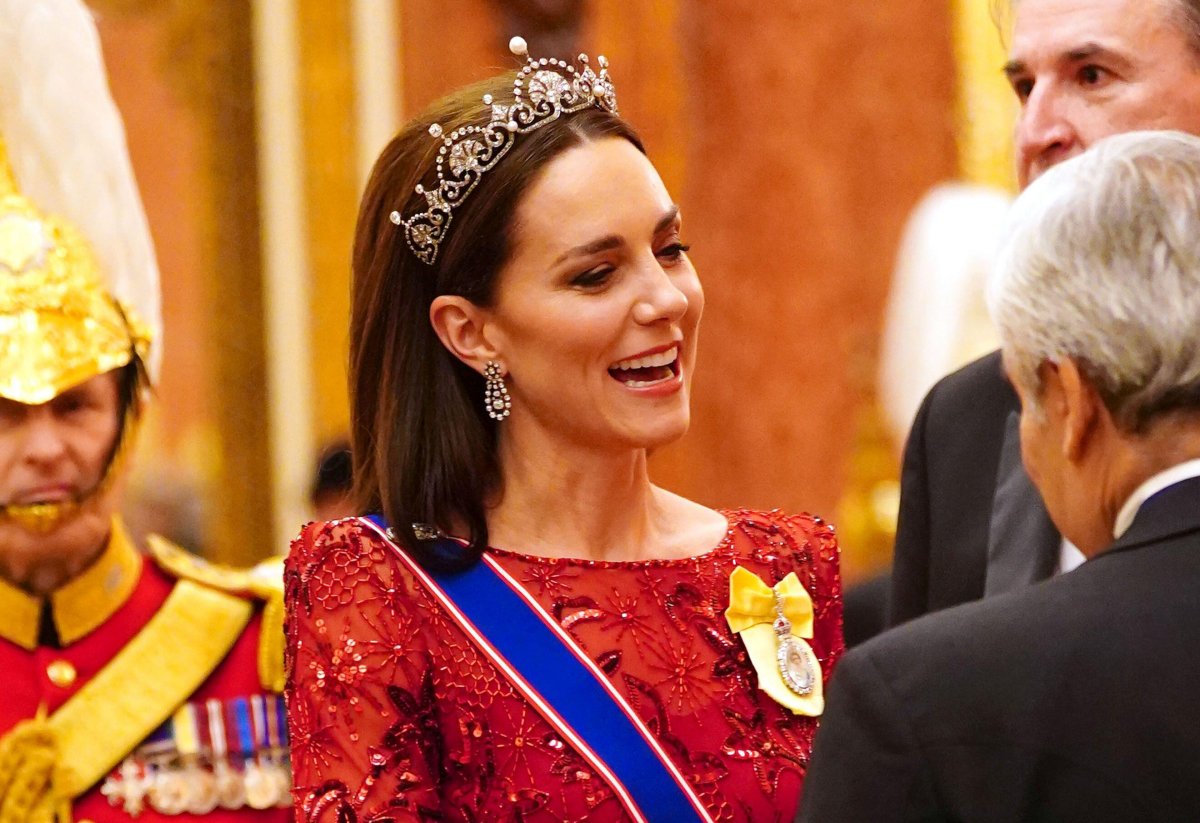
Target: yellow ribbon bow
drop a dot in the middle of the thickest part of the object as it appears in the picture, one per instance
(754, 609)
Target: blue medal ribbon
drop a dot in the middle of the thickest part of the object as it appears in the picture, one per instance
(244, 726)
(563, 681)
(280, 709)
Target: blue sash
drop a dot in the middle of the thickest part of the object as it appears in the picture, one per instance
(583, 704)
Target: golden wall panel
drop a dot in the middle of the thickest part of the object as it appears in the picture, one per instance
(447, 44)
(331, 198)
(812, 128)
(241, 527)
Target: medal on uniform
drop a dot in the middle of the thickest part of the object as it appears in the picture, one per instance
(773, 622)
(231, 793)
(277, 753)
(795, 658)
(168, 790)
(261, 788)
(127, 788)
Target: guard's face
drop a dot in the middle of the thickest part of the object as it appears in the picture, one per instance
(57, 452)
(597, 312)
(1086, 69)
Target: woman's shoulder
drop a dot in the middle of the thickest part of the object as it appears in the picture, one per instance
(777, 523)
(784, 542)
(320, 538)
(349, 559)
(773, 544)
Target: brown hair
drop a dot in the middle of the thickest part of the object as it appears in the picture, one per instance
(424, 449)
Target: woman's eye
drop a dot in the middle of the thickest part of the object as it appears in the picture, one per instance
(673, 252)
(592, 278)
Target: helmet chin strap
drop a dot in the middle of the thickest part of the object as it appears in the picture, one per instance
(43, 518)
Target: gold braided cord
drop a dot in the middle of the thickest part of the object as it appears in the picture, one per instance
(29, 783)
(985, 109)
(181, 645)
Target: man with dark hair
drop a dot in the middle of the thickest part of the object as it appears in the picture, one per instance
(971, 523)
(331, 494)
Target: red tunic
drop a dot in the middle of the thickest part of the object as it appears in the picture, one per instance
(396, 716)
(28, 684)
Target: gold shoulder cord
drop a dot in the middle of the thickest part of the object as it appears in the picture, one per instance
(47, 762)
(264, 581)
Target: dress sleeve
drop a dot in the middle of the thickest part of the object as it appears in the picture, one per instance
(361, 713)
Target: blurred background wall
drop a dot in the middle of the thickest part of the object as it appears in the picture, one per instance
(797, 136)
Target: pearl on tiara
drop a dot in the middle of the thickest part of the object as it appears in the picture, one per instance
(544, 90)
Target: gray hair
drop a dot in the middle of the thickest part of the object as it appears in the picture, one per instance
(1101, 264)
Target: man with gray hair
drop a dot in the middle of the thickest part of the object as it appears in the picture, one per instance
(971, 523)
(1072, 700)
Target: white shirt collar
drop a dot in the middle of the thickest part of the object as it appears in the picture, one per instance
(1151, 487)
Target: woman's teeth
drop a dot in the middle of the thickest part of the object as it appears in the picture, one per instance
(663, 358)
(639, 372)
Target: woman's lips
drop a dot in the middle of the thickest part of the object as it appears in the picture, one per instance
(648, 369)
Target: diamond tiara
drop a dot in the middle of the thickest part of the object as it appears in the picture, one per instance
(545, 89)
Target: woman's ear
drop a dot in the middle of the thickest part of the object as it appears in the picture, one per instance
(462, 327)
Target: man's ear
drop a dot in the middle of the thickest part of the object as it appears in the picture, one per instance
(463, 329)
(1081, 406)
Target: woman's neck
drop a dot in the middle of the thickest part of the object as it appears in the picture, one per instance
(592, 504)
(576, 502)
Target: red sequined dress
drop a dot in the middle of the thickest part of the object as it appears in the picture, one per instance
(396, 716)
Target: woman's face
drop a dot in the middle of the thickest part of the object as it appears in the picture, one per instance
(596, 313)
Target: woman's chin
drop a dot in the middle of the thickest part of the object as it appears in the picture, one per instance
(662, 432)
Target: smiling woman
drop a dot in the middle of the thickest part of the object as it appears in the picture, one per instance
(524, 625)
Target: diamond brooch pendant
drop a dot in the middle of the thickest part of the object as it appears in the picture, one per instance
(796, 664)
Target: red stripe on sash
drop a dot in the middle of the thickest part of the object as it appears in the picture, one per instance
(545, 709)
(603, 679)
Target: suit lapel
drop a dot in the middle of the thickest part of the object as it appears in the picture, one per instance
(1023, 544)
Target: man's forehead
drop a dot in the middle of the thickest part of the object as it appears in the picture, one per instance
(1064, 26)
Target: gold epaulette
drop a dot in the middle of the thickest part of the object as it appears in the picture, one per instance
(262, 582)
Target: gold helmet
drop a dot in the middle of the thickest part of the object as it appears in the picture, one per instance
(59, 325)
(79, 291)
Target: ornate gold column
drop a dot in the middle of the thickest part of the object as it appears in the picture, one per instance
(330, 140)
(224, 73)
(985, 108)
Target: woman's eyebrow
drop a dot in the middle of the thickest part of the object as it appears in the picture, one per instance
(613, 241)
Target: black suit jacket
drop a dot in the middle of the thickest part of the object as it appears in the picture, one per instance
(1077, 699)
(971, 522)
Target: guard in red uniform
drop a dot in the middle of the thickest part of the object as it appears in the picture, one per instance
(132, 685)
